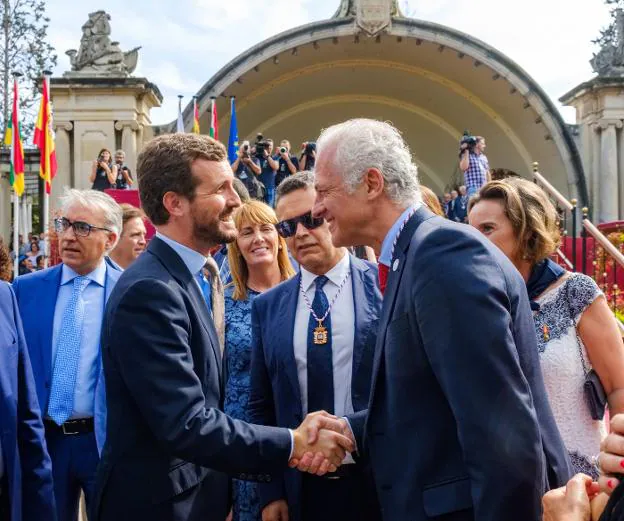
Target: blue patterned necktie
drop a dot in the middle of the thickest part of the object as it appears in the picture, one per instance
(320, 367)
(61, 403)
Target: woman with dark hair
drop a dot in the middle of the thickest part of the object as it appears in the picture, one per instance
(577, 335)
(258, 259)
(103, 171)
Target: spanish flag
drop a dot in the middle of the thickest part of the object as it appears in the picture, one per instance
(195, 116)
(214, 120)
(13, 139)
(44, 138)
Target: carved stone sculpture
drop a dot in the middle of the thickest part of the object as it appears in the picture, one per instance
(610, 59)
(98, 55)
(371, 16)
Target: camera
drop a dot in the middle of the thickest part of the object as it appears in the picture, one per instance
(469, 140)
(283, 150)
(309, 147)
(245, 151)
(261, 146)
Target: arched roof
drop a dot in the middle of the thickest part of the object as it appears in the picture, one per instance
(431, 81)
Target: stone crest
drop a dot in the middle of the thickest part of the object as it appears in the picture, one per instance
(98, 55)
(610, 59)
(371, 16)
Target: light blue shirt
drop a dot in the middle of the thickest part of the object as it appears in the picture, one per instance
(388, 242)
(192, 259)
(88, 364)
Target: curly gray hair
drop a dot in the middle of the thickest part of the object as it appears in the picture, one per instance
(360, 144)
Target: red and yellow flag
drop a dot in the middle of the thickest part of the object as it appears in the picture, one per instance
(195, 117)
(13, 139)
(214, 120)
(44, 139)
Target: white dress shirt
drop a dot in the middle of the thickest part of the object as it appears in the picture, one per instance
(342, 334)
(88, 364)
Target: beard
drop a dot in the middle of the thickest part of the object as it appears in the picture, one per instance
(212, 232)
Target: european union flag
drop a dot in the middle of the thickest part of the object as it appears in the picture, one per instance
(233, 141)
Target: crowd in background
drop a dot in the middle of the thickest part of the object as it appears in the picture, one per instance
(276, 289)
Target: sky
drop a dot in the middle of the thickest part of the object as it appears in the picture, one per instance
(186, 41)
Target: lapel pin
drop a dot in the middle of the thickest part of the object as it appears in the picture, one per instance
(395, 265)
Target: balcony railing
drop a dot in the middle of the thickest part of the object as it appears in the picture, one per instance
(591, 252)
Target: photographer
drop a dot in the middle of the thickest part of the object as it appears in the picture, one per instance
(124, 176)
(269, 166)
(288, 165)
(473, 163)
(103, 172)
(308, 156)
(247, 169)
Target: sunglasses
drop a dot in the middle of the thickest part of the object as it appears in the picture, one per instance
(81, 229)
(288, 227)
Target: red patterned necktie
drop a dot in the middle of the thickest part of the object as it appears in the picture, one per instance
(383, 276)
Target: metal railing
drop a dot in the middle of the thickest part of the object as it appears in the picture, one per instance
(599, 257)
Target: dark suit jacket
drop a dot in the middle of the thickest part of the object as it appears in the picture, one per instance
(168, 446)
(458, 423)
(36, 295)
(275, 397)
(27, 465)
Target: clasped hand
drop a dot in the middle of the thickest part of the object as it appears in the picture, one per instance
(321, 443)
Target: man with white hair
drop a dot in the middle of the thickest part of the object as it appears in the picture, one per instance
(62, 309)
(458, 425)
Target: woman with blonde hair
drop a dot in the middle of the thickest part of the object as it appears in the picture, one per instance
(578, 339)
(258, 261)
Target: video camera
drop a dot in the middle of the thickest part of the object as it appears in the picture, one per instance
(469, 140)
(261, 145)
(309, 147)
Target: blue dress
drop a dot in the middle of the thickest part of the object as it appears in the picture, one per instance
(238, 356)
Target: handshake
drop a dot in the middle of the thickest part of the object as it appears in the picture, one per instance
(321, 443)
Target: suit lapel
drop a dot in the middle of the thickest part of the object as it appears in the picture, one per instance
(47, 304)
(285, 340)
(394, 278)
(175, 265)
(362, 311)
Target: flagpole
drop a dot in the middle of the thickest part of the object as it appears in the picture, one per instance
(16, 219)
(46, 195)
(180, 122)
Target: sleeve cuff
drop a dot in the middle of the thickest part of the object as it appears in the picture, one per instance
(351, 431)
(292, 443)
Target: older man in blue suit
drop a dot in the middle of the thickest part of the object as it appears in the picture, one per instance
(458, 425)
(62, 310)
(313, 344)
(26, 492)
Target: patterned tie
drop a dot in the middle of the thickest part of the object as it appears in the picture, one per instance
(320, 368)
(383, 276)
(61, 404)
(218, 304)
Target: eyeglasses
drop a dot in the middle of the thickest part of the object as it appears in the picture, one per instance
(288, 227)
(81, 229)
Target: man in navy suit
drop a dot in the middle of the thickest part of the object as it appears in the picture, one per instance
(169, 447)
(26, 492)
(291, 374)
(458, 425)
(62, 309)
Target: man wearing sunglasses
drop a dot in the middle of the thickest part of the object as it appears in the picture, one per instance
(62, 309)
(312, 349)
(170, 449)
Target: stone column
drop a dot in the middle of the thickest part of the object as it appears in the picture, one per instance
(5, 211)
(129, 141)
(609, 191)
(594, 153)
(64, 175)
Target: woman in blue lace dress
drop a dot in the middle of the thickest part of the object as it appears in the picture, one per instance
(258, 260)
